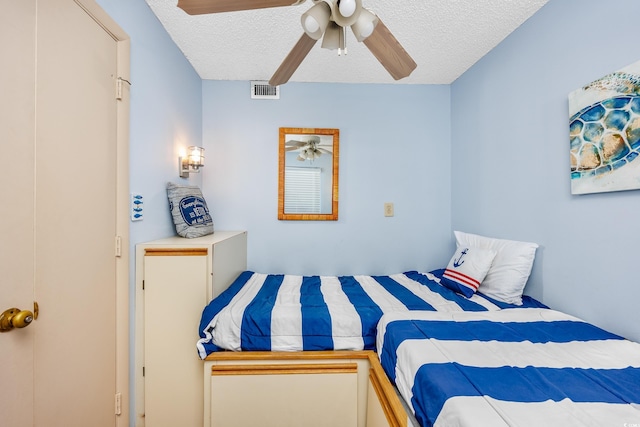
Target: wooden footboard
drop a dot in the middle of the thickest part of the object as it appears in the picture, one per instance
(327, 388)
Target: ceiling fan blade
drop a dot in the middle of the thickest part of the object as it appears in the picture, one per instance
(293, 142)
(293, 60)
(198, 7)
(390, 52)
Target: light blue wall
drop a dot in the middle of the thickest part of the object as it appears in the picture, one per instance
(394, 147)
(510, 151)
(166, 113)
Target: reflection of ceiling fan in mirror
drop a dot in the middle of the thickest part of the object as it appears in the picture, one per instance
(310, 149)
(326, 19)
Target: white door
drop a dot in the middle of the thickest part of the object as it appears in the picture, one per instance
(58, 224)
(17, 111)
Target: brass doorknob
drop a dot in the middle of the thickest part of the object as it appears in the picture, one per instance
(16, 318)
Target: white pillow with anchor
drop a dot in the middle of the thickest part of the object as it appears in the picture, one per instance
(467, 269)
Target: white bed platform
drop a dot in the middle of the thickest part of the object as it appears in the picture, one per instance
(313, 389)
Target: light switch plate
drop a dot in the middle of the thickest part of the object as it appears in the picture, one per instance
(388, 209)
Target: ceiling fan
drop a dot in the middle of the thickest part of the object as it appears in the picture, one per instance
(326, 19)
(310, 149)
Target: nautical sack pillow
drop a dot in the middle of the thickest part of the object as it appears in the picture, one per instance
(466, 269)
(189, 211)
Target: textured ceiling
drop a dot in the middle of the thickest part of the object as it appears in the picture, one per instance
(444, 37)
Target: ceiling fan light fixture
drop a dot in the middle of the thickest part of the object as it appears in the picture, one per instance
(328, 19)
(315, 20)
(364, 25)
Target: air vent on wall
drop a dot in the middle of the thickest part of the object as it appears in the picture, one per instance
(262, 90)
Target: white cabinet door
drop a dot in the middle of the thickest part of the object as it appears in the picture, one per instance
(175, 279)
(173, 287)
(276, 395)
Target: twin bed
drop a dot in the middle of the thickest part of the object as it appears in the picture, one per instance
(268, 312)
(520, 367)
(456, 360)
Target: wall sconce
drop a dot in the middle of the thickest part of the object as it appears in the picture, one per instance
(193, 161)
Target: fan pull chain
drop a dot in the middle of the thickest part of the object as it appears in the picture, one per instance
(343, 42)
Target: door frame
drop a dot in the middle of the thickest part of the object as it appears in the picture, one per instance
(121, 240)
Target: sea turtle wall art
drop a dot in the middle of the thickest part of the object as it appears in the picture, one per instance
(604, 133)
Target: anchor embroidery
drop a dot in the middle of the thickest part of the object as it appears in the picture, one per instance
(457, 262)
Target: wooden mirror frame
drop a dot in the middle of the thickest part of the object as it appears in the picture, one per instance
(333, 216)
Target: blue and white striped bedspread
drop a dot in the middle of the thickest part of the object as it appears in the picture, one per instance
(268, 312)
(522, 367)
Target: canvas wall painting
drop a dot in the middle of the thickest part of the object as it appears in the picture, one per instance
(604, 133)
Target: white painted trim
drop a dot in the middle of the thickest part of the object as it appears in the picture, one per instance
(122, 205)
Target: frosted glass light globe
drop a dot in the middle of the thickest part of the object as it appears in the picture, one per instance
(310, 24)
(347, 8)
(367, 29)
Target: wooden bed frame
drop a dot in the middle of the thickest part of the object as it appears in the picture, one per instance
(323, 388)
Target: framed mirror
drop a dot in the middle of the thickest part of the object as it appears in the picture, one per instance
(308, 174)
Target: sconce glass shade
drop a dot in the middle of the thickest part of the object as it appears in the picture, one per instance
(192, 162)
(196, 157)
(315, 20)
(364, 25)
